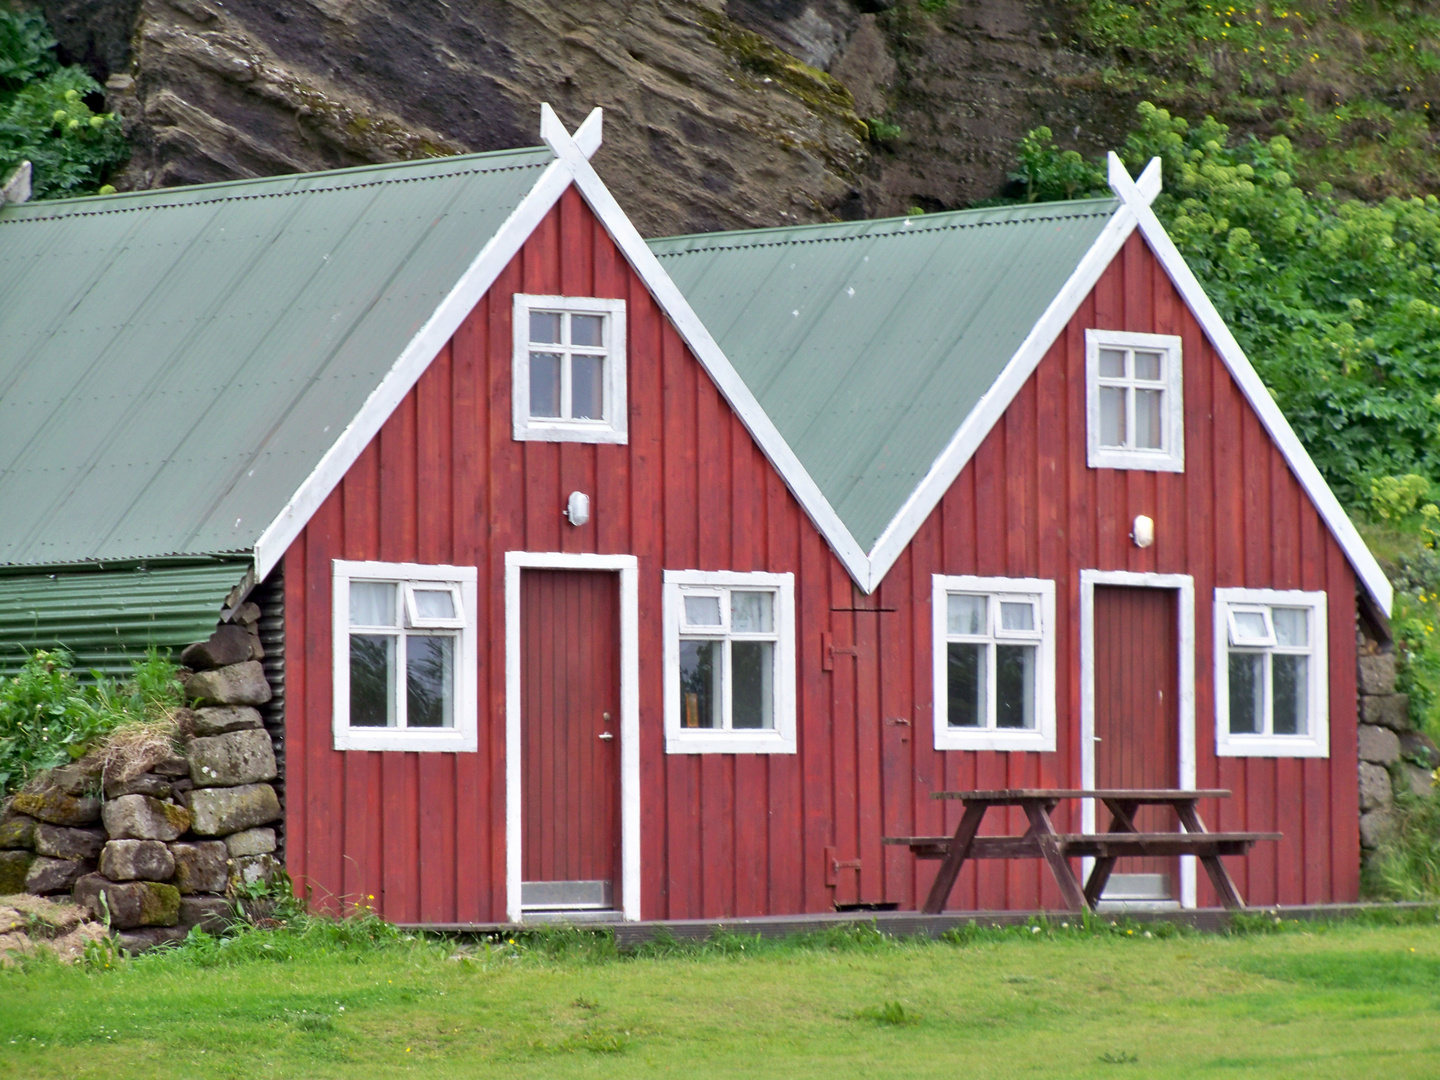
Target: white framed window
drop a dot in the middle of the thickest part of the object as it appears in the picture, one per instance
(569, 369)
(994, 663)
(729, 662)
(405, 648)
(1271, 686)
(1134, 404)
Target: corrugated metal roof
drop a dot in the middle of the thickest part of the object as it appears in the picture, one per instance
(174, 363)
(868, 343)
(108, 617)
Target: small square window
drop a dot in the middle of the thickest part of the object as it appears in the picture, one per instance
(405, 656)
(1270, 683)
(1134, 407)
(730, 662)
(569, 369)
(994, 663)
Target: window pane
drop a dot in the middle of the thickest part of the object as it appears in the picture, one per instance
(1015, 686)
(544, 384)
(1112, 416)
(700, 663)
(1250, 626)
(1292, 625)
(372, 680)
(966, 615)
(1017, 616)
(1246, 680)
(752, 688)
(1112, 364)
(545, 327)
(372, 603)
(587, 387)
(702, 610)
(752, 613)
(966, 685)
(587, 330)
(1148, 428)
(435, 603)
(430, 681)
(1147, 366)
(1291, 678)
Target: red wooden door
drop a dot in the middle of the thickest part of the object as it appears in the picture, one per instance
(569, 739)
(1137, 721)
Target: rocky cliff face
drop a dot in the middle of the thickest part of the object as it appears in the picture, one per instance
(719, 115)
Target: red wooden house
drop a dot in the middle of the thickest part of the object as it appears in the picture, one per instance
(666, 580)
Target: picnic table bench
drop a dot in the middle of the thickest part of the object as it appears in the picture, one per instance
(1041, 841)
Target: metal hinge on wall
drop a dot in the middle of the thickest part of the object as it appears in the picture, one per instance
(833, 866)
(828, 651)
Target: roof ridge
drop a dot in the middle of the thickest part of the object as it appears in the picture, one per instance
(784, 234)
(94, 207)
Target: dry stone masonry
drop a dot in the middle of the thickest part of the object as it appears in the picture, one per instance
(1393, 755)
(161, 852)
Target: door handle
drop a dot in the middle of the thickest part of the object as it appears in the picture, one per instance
(605, 735)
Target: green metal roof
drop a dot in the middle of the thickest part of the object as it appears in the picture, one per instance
(106, 618)
(174, 363)
(868, 343)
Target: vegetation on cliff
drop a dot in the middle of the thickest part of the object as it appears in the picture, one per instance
(46, 116)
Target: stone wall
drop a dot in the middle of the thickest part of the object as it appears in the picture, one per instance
(1393, 755)
(170, 848)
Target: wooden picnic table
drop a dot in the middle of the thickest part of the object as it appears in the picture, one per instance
(1041, 841)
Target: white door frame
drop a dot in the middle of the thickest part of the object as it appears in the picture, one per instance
(628, 568)
(1184, 584)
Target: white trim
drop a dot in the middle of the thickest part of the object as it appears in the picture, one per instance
(780, 740)
(627, 566)
(462, 738)
(1042, 737)
(1316, 742)
(1254, 389)
(615, 427)
(1184, 585)
(892, 543)
(1170, 459)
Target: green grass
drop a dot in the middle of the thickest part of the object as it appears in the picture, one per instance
(1332, 1001)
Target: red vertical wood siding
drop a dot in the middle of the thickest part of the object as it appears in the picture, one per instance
(735, 835)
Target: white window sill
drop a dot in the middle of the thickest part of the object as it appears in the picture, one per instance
(1151, 461)
(407, 740)
(949, 738)
(1272, 746)
(540, 431)
(717, 742)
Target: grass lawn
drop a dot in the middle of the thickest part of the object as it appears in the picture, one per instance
(1344, 1000)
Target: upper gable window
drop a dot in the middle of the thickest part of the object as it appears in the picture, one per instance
(569, 369)
(1134, 412)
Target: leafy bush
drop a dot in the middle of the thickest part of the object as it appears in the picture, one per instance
(49, 718)
(44, 118)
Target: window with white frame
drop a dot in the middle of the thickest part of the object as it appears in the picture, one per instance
(1270, 674)
(1134, 408)
(994, 663)
(405, 656)
(569, 369)
(729, 662)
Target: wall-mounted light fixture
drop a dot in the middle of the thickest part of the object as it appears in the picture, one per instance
(1143, 531)
(578, 508)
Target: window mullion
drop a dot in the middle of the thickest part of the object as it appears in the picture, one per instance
(991, 698)
(725, 719)
(1268, 691)
(402, 719)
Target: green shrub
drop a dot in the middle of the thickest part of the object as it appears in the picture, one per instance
(1407, 863)
(49, 718)
(44, 118)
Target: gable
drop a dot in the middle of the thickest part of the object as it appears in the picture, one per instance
(868, 343)
(178, 362)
